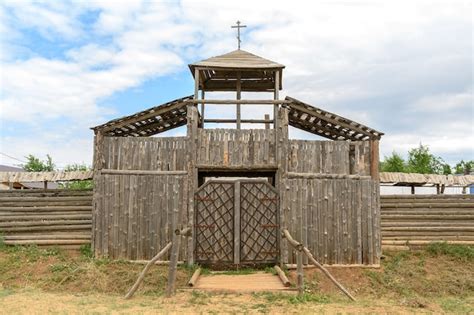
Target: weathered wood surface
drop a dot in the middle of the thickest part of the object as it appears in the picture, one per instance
(133, 214)
(46, 217)
(420, 219)
(329, 157)
(227, 147)
(55, 176)
(142, 153)
(337, 219)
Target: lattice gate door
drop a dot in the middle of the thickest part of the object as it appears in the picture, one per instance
(236, 222)
(258, 222)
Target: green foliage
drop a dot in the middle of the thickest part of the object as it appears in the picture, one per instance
(34, 164)
(77, 184)
(86, 251)
(420, 160)
(464, 168)
(459, 252)
(393, 163)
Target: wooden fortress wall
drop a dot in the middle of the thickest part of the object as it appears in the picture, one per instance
(327, 199)
(133, 213)
(337, 216)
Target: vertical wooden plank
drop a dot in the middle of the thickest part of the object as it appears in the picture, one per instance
(238, 89)
(300, 271)
(192, 133)
(374, 159)
(237, 222)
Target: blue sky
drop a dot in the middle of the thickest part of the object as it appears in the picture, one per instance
(404, 68)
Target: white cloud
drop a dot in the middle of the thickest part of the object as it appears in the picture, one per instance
(385, 64)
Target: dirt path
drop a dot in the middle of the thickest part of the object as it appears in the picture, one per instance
(37, 302)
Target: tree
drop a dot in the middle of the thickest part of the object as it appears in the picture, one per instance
(421, 161)
(393, 163)
(464, 168)
(34, 164)
(77, 184)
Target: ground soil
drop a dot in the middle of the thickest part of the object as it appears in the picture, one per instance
(36, 281)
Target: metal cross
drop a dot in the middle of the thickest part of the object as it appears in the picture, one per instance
(238, 27)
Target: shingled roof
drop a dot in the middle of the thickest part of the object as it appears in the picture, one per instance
(326, 124)
(220, 73)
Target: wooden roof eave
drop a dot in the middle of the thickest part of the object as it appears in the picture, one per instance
(209, 77)
(129, 124)
(336, 122)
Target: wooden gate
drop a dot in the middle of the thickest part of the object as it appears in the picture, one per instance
(236, 222)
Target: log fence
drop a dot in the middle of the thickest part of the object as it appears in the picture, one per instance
(46, 217)
(417, 220)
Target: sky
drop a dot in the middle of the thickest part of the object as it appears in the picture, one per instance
(402, 67)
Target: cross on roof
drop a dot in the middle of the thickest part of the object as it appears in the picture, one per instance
(238, 27)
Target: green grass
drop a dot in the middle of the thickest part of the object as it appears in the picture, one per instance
(293, 299)
(86, 251)
(456, 251)
(456, 306)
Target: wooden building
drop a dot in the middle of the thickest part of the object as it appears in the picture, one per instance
(237, 188)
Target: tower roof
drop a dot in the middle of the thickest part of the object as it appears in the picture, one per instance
(220, 73)
(237, 59)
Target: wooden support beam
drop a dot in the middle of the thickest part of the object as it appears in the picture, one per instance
(203, 107)
(300, 272)
(144, 271)
(238, 88)
(141, 172)
(327, 176)
(233, 102)
(276, 96)
(282, 276)
(243, 121)
(194, 278)
(267, 121)
(374, 159)
(302, 249)
(237, 223)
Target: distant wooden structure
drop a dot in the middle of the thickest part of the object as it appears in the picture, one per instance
(237, 188)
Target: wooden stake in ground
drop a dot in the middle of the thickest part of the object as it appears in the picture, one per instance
(170, 288)
(299, 247)
(144, 271)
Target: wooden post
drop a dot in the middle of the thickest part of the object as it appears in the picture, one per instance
(282, 175)
(238, 88)
(171, 286)
(237, 222)
(192, 180)
(299, 272)
(276, 96)
(202, 108)
(45, 184)
(438, 190)
(300, 248)
(10, 185)
(374, 159)
(267, 117)
(412, 189)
